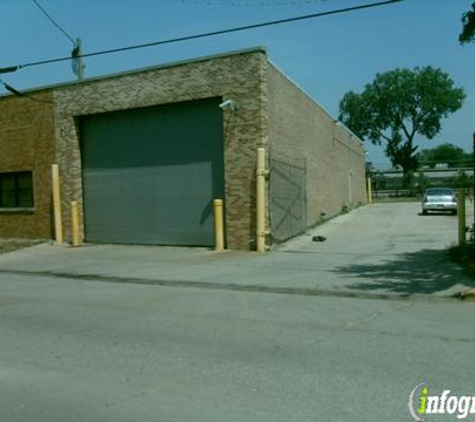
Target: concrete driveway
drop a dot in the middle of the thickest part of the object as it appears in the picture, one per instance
(381, 250)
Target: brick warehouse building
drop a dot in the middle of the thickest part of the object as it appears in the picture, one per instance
(145, 152)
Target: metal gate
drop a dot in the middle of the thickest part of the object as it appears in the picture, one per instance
(287, 198)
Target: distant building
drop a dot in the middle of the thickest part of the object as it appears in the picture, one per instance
(393, 179)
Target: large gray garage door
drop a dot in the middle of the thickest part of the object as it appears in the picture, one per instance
(150, 174)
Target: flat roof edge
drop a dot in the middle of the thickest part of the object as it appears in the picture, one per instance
(257, 49)
(304, 92)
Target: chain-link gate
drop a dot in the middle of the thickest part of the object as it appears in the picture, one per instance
(287, 199)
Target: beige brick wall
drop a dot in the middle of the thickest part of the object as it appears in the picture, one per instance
(301, 131)
(272, 113)
(235, 76)
(27, 144)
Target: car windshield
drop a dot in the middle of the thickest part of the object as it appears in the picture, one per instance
(439, 192)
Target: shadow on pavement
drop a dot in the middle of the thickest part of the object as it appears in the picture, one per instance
(423, 272)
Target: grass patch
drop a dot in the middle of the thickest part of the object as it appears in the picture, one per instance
(464, 255)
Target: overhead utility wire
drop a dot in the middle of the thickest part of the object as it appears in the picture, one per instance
(11, 89)
(53, 21)
(78, 66)
(203, 35)
(21, 94)
(248, 3)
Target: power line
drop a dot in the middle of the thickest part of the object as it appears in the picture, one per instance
(248, 3)
(11, 89)
(204, 35)
(21, 94)
(53, 21)
(78, 66)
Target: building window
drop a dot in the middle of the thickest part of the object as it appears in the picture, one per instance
(16, 190)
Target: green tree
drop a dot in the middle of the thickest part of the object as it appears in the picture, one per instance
(463, 180)
(397, 106)
(445, 153)
(468, 31)
(422, 183)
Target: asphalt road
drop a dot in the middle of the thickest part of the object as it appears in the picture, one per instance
(92, 351)
(179, 334)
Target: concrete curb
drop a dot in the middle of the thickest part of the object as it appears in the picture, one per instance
(298, 291)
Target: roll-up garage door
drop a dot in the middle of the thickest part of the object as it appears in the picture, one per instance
(150, 174)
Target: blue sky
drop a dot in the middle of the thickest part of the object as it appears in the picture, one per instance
(325, 56)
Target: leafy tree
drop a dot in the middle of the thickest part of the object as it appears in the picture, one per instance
(422, 183)
(445, 153)
(463, 180)
(408, 182)
(397, 106)
(468, 32)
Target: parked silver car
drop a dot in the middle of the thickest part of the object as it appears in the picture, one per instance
(439, 199)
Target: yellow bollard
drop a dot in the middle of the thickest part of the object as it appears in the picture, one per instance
(74, 223)
(461, 215)
(370, 191)
(58, 223)
(218, 225)
(261, 200)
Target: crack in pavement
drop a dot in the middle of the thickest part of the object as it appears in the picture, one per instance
(363, 321)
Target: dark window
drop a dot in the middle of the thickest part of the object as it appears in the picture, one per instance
(16, 190)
